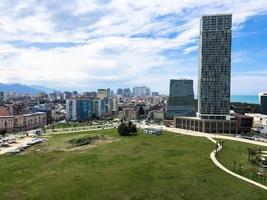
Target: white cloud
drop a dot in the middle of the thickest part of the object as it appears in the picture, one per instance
(117, 43)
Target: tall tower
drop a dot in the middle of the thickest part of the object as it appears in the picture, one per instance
(214, 78)
(181, 98)
(263, 102)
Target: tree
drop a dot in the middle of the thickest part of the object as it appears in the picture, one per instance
(123, 129)
(132, 127)
(127, 129)
(141, 110)
(3, 132)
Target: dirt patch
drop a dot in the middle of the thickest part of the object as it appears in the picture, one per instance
(96, 143)
(16, 194)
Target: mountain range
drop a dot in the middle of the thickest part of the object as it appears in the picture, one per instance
(19, 88)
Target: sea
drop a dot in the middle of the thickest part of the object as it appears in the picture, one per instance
(245, 98)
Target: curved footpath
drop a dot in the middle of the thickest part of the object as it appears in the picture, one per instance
(218, 164)
(210, 137)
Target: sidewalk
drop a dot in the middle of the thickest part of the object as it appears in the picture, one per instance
(211, 137)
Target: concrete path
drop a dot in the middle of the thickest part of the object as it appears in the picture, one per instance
(213, 153)
(77, 131)
(200, 134)
(218, 164)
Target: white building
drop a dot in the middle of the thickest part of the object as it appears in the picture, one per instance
(71, 109)
(258, 119)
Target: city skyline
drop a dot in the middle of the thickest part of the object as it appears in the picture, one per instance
(66, 46)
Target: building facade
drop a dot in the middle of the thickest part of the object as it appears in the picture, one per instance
(23, 122)
(206, 125)
(102, 93)
(71, 110)
(7, 123)
(84, 109)
(263, 103)
(181, 98)
(141, 91)
(215, 67)
(34, 120)
(127, 114)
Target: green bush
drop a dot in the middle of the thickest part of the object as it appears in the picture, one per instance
(127, 129)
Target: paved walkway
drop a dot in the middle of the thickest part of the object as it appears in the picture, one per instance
(218, 164)
(78, 131)
(213, 153)
(200, 134)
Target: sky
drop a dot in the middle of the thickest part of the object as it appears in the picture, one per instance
(88, 44)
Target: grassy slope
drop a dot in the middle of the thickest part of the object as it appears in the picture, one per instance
(238, 152)
(141, 167)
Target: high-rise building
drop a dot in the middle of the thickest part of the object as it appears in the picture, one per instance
(119, 91)
(71, 110)
(127, 93)
(102, 93)
(78, 109)
(263, 103)
(154, 94)
(84, 109)
(181, 98)
(215, 66)
(141, 91)
(108, 92)
(2, 96)
(97, 107)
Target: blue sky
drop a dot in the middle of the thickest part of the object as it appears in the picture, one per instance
(90, 44)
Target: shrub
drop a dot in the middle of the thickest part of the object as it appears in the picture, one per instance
(127, 129)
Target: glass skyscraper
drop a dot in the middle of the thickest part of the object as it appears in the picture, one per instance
(263, 103)
(181, 98)
(215, 66)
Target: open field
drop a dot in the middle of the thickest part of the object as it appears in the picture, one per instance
(171, 166)
(234, 156)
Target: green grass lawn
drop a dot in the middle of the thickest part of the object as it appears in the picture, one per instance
(237, 152)
(170, 166)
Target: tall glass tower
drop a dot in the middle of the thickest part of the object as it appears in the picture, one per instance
(215, 66)
(181, 98)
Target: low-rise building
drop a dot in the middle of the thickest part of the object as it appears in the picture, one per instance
(127, 114)
(206, 125)
(158, 115)
(258, 119)
(34, 120)
(4, 110)
(7, 123)
(244, 123)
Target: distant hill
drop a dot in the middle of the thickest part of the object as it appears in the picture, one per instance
(43, 88)
(18, 88)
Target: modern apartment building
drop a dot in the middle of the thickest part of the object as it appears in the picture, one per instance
(141, 91)
(215, 67)
(84, 109)
(214, 80)
(102, 93)
(263, 102)
(71, 110)
(181, 98)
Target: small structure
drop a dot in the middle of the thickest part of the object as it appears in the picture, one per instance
(153, 131)
(244, 122)
(263, 159)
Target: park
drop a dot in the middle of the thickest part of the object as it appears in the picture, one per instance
(101, 164)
